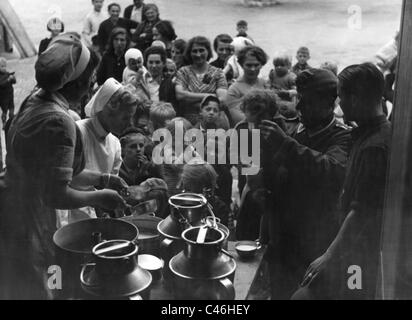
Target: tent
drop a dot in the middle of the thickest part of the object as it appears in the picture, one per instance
(11, 23)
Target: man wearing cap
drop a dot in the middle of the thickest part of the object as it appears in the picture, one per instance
(304, 173)
(135, 11)
(356, 247)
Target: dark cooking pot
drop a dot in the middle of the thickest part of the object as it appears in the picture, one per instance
(203, 270)
(74, 243)
(116, 273)
(149, 238)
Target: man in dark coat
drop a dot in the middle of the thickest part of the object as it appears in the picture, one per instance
(304, 174)
(135, 11)
(114, 21)
(355, 249)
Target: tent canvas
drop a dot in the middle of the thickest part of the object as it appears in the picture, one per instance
(15, 29)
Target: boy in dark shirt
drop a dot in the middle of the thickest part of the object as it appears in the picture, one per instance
(7, 79)
(303, 55)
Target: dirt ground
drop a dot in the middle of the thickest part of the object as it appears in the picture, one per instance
(319, 24)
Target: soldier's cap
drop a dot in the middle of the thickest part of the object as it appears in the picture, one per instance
(316, 80)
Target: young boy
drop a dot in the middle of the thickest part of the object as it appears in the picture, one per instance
(7, 79)
(209, 113)
(170, 69)
(201, 177)
(209, 116)
(160, 114)
(282, 81)
(241, 28)
(302, 56)
(137, 165)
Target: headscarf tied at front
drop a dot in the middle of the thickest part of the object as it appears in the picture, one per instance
(102, 97)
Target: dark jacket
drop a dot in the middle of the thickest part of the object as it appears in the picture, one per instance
(106, 28)
(305, 176)
(129, 9)
(110, 66)
(146, 28)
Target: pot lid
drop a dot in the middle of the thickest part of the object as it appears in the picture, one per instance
(77, 237)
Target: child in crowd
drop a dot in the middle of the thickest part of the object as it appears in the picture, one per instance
(7, 79)
(303, 55)
(55, 26)
(134, 66)
(137, 165)
(258, 105)
(141, 120)
(172, 166)
(170, 69)
(282, 81)
(233, 65)
(242, 28)
(331, 66)
(178, 49)
(160, 114)
(200, 177)
(209, 115)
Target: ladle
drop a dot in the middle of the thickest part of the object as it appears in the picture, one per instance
(112, 248)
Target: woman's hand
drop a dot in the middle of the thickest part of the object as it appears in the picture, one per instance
(107, 199)
(315, 267)
(113, 182)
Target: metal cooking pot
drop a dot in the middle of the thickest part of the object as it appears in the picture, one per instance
(116, 273)
(149, 238)
(74, 244)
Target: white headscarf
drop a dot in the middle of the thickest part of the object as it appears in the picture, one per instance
(102, 97)
(133, 54)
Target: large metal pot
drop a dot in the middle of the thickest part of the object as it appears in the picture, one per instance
(203, 270)
(116, 273)
(74, 244)
(149, 238)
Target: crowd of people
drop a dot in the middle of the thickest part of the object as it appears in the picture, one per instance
(85, 134)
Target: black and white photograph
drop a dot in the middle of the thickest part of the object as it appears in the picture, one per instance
(218, 152)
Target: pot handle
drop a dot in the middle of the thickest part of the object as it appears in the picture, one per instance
(83, 272)
(258, 244)
(228, 286)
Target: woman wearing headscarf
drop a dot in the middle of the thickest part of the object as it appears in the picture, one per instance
(45, 152)
(113, 62)
(143, 36)
(111, 111)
